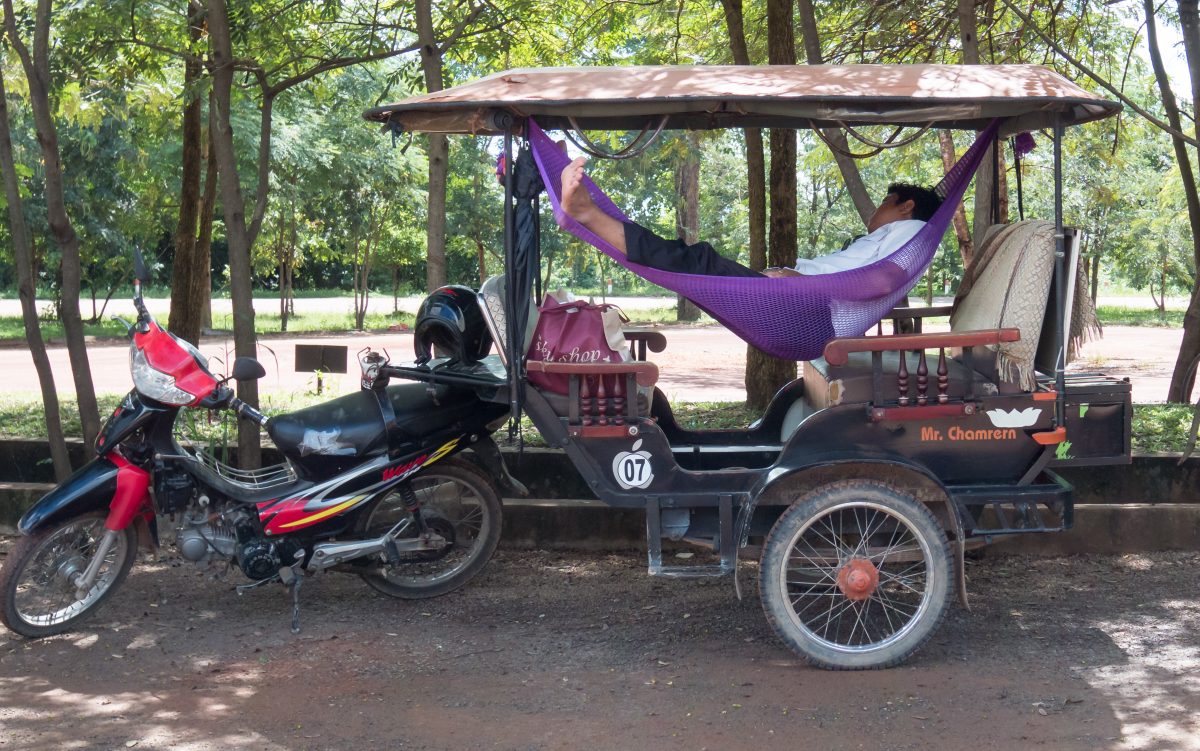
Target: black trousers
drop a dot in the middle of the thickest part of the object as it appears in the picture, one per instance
(648, 249)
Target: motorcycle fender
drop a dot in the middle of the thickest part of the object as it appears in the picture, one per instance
(108, 482)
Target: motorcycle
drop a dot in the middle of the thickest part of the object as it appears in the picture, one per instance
(377, 483)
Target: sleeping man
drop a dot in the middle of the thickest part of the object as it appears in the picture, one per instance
(903, 212)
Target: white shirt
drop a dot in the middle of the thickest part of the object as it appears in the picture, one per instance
(865, 250)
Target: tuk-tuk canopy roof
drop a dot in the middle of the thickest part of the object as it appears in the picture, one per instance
(702, 97)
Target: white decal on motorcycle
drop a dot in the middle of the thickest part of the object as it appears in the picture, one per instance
(632, 469)
(325, 443)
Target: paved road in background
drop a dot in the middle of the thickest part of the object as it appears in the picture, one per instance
(701, 363)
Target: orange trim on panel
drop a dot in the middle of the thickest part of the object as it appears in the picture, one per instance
(1050, 437)
(1045, 396)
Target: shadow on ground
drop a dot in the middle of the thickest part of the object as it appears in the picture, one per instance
(571, 650)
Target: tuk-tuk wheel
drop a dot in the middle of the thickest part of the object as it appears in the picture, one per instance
(855, 575)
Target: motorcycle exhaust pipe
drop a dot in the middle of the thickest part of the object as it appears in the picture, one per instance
(329, 554)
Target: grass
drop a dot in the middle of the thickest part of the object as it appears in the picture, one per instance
(1118, 316)
(13, 329)
(1161, 428)
(1157, 428)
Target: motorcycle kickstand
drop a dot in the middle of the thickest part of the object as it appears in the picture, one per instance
(293, 577)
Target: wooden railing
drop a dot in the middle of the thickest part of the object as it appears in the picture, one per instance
(601, 397)
(837, 352)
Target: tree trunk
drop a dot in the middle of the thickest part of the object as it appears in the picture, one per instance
(439, 152)
(37, 73)
(968, 30)
(203, 279)
(1095, 277)
(1162, 286)
(184, 320)
(846, 164)
(687, 212)
(481, 260)
(23, 256)
(234, 212)
(765, 375)
(756, 167)
(961, 232)
(281, 261)
(1181, 378)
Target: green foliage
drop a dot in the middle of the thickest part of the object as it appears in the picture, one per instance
(118, 94)
(1161, 427)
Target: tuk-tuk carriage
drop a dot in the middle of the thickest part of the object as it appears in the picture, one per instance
(865, 479)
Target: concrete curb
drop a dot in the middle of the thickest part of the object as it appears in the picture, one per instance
(1111, 513)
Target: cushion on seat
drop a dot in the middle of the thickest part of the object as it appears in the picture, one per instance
(1008, 286)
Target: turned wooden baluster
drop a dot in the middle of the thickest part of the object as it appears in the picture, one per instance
(618, 393)
(902, 378)
(585, 400)
(922, 380)
(601, 400)
(943, 377)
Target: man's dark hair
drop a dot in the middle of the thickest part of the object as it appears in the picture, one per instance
(925, 201)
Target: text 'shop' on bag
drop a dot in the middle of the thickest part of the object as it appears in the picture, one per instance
(576, 332)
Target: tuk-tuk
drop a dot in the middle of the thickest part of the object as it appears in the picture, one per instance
(866, 479)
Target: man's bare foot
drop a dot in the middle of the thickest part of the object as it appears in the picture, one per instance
(577, 203)
(576, 200)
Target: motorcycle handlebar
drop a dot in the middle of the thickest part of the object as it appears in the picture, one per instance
(245, 411)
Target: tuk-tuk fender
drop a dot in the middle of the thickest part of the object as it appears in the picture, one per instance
(91, 488)
(780, 474)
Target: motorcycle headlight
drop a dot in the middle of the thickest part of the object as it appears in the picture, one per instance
(155, 384)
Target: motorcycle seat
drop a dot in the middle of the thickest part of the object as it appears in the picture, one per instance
(348, 426)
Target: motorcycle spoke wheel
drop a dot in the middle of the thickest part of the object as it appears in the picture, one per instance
(855, 575)
(460, 505)
(36, 582)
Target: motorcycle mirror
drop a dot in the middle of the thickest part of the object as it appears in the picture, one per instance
(139, 267)
(247, 369)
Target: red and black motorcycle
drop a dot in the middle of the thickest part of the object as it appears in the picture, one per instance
(372, 483)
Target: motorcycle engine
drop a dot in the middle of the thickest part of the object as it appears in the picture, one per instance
(201, 538)
(260, 558)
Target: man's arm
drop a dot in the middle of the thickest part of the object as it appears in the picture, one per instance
(780, 271)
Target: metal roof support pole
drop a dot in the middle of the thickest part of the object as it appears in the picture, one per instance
(1017, 172)
(1060, 281)
(510, 304)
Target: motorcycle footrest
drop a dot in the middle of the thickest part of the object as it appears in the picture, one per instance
(391, 552)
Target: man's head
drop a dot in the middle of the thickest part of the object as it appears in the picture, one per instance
(904, 201)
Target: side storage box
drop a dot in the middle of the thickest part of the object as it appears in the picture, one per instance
(1099, 411)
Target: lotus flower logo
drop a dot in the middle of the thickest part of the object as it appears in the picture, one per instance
(1016, 418)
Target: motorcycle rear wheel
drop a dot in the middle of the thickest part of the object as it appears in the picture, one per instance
(39, 598)
(459, 503)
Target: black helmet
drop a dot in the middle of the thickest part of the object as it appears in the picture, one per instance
(450, 322)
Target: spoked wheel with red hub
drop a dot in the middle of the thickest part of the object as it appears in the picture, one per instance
(855, 575)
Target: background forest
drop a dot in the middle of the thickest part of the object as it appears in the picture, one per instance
(225, 139)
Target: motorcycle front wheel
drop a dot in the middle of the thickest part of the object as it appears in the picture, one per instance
(460, 504)
(37, 580)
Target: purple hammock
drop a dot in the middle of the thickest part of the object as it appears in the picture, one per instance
(806, 311)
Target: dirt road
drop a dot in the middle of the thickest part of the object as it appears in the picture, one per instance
(569, 651)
